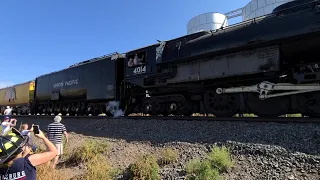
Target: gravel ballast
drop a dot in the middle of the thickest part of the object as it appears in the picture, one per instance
(252, 161)
(259, 150)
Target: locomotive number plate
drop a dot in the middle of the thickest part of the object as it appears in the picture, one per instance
(139, 70)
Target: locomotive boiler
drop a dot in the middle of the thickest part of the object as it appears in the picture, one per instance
(268, 66)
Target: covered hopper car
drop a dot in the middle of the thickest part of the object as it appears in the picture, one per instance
(20, 97)
(268, 66)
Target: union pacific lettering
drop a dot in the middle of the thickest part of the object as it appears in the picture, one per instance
(17, 176)
(66, 83)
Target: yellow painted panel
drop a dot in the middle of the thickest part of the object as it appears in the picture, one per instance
(32, 86)
(17, 94)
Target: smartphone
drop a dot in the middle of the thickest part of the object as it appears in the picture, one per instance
(36, 129)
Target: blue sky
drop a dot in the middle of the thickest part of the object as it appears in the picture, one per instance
(38, 37)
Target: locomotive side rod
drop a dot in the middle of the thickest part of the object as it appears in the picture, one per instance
(264, 88)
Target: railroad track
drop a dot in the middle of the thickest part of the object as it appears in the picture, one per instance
(189, 118)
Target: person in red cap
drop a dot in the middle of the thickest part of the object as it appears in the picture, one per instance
(7, 124)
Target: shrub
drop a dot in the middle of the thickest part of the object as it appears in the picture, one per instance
(192, 166)
(198, 170)
(220, 158)
(98, 168)
(87, 151)
(216, 161)
(145, 168)
(168, 156)
(45, 172)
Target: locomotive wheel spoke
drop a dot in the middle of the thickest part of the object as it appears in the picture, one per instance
(272, 107)
(221, 105)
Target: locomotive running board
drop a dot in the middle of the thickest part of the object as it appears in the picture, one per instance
(264, 88)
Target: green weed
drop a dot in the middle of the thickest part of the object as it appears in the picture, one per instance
(145, 168)
(217, 160)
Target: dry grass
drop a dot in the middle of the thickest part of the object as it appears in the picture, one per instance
(87, 151)
(91, 154)
(45, 172)
(145, 168)
(98, 168)
(88, 154)
(168, 156)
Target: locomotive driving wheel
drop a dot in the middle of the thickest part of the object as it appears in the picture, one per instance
(152, 108)
(310, 103)
(175, 108)
(272, 107)
(221, 105)
(145, 108)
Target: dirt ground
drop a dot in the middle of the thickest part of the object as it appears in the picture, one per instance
(120, 154)
(251, 161)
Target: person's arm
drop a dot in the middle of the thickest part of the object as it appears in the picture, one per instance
(14, 122)
(41, 158)
(66, 136)
(5, 124)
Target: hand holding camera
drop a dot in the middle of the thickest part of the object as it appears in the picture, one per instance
(13, 119)
(36, 129)
(40, 135)
(37, 132)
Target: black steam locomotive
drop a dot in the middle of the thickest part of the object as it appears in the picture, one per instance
(268, 66)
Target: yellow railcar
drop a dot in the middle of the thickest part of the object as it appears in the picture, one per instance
(18, 97)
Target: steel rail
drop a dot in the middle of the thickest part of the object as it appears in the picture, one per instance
(189, 118)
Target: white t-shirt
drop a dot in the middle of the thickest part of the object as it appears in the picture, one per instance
(8, 112)
(5, 127)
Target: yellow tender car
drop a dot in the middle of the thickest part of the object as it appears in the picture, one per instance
(19, 97)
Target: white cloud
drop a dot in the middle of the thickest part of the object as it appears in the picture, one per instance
(5, 84)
